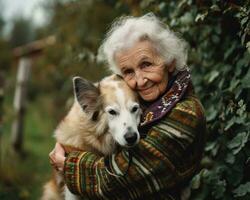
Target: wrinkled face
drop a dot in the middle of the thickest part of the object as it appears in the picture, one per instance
(144, 70)
(122, 110)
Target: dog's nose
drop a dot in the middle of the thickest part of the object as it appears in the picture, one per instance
(131, 138)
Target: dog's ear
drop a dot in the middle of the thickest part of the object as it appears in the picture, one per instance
(87, 95)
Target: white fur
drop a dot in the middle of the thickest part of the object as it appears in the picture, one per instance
(69, 195)
(126, 31)
(120, 123)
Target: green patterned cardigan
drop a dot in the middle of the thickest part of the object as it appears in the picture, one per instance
(157, 168)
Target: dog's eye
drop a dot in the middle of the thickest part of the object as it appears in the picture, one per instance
(134, 109)
(112, 112)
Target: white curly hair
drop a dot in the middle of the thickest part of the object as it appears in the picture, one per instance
(126, 31)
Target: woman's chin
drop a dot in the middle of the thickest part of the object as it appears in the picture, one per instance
(149, 96)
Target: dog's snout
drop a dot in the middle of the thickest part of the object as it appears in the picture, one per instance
(130, 138)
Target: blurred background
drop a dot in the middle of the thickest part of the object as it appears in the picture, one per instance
(44, 43)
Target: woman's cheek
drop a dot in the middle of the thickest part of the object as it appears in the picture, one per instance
(157, 75)
(131, 83)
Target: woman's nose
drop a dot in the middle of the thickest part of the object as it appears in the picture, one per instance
(140, 79)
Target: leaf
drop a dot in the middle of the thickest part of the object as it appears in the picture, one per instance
(219, 188)
(244, 20)
(201, 17)
(210, 146)
(230, 158)
(213, 75)
(162, 6)
(234, 120)
(242, 190)
(245, 81)
(229, 51)
(242, 108)
(248, 46)
(211, 113)
(215, 8)
(241, 103)
(243, 37)
(234, 83)
(186, 19)
(196, 181)
(181, 4)
(213, 147)
(230, 123)
(240, 119)
(238, 142)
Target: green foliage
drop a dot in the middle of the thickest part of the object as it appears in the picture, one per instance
(79, 27)
(242, 190)
(23, 177)
(5, 56)
(22, 32)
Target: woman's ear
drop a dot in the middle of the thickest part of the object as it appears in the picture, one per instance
(171, 66)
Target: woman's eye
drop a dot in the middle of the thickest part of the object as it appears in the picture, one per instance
(134, 109)
(112, 112)
(127, 72)
(146, 64)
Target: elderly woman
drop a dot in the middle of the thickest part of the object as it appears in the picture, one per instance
(152, 61)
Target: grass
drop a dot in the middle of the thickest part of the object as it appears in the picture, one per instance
(22, 176)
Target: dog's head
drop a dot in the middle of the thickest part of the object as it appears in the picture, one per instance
(112, 101)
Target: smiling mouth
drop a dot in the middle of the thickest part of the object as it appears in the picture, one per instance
(146, 90)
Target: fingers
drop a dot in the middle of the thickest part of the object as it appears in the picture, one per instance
(59, 148)
(52, 156)
(52, 159)
(57, 158)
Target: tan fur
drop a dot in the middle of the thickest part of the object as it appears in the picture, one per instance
(108, 89)
(78, 131)
(51, 191)
(128, 92)
(54, 189)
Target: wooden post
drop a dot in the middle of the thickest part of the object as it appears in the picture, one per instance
(23, 73)
(1, 114)
(25, 54)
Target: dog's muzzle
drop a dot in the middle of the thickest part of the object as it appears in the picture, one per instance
(131, 138)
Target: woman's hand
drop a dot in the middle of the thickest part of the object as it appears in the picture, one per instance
(57, 157)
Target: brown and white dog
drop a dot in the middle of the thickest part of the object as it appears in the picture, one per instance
(103, 115)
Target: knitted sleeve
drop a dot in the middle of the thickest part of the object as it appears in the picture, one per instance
(169, 154)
